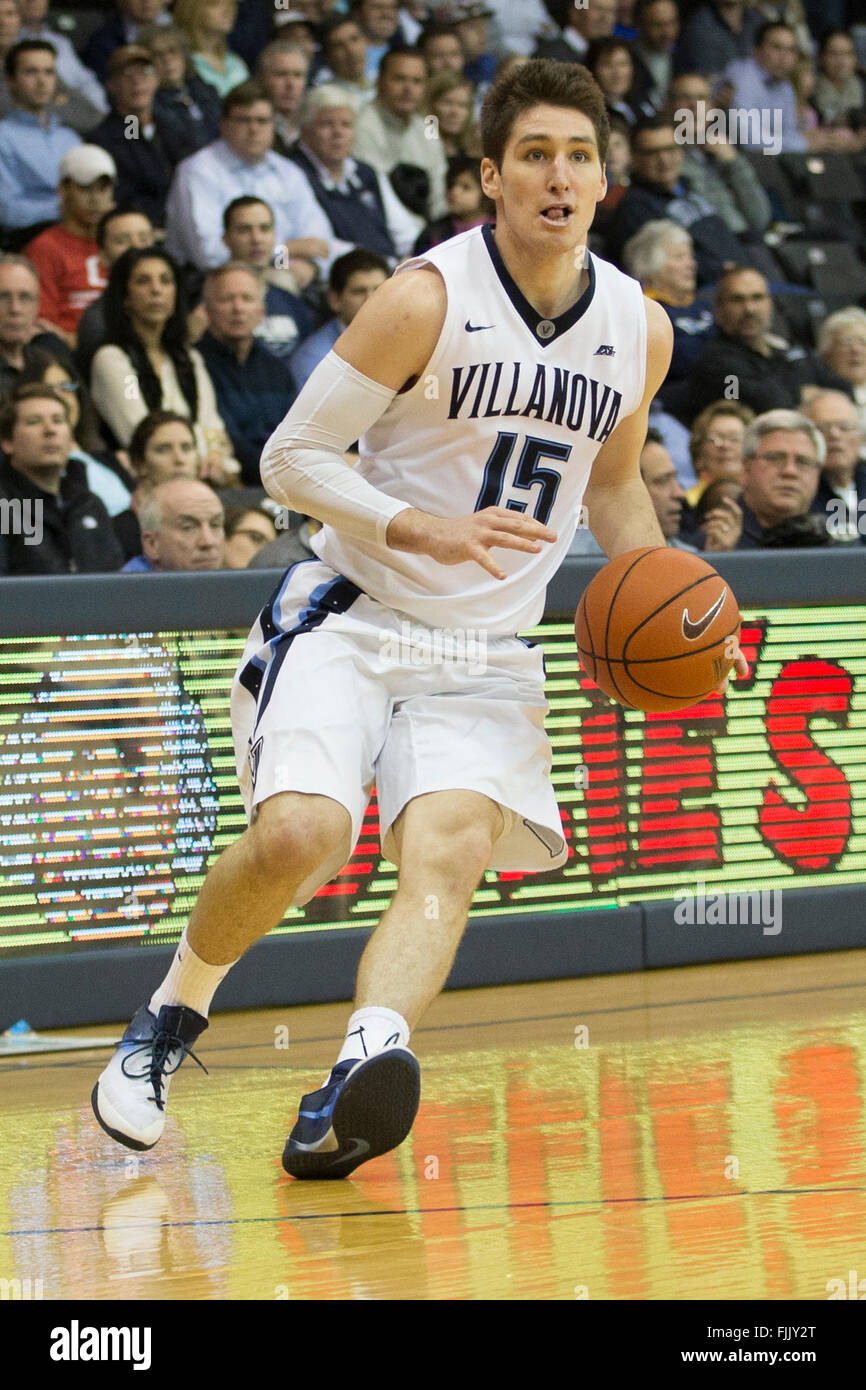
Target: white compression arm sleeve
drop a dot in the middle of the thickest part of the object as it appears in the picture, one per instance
(302, 464)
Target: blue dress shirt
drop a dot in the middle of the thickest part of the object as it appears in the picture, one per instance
(30, 155)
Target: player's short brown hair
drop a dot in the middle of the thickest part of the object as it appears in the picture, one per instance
(540, 82)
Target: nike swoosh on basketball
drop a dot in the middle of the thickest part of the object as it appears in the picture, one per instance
(692, 631)
(477, 327)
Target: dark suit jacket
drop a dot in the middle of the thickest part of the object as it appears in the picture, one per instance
(826, 495)
(102, 43)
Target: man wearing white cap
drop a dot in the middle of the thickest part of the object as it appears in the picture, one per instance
(71, 272)
(32, 139)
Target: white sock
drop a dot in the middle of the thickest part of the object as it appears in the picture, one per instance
(190, 981)
(372, 1029)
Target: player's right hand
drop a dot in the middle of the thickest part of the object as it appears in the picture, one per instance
(455, 540)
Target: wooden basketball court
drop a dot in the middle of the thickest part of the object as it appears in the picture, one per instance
(696, 1133)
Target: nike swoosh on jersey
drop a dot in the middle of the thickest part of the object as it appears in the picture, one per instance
(692, 631)
(477, 327)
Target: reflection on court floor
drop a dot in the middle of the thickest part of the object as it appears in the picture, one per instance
(690, 1134)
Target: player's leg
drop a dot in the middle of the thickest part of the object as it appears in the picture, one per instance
(245, 895)
(308, 719)
(445, 842)
(498, 812)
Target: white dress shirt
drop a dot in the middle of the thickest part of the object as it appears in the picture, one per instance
(206, 182)
(384, 140)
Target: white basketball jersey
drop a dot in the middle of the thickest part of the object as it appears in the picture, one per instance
(510, 411)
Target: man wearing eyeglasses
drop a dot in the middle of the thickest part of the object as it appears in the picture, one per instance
(782, 457)
(658, 189)
(20, 334)
(745, 361)
(841, 495)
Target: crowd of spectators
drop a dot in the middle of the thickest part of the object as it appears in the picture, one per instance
(196, 199)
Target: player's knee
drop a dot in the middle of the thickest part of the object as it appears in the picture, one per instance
(456, 855)
(293, 834)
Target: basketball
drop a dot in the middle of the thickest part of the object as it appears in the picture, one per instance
(657, 629)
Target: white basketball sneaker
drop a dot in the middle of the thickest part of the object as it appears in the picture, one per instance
(129, 1098)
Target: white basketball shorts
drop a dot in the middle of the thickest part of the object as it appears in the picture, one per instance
(336, 691)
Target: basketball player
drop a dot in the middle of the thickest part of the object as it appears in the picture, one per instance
(496, 383)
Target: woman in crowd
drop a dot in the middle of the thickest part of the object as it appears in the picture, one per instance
(450, 100)
(107, 474)
(611, 65)
(660, 256)
(248, 529)
(145, 363)
(716, 444)
(163, 446)
(207, 24)
(842, 344)
(840, 94)
(182, 96)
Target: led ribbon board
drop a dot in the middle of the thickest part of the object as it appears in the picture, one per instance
(118, 786)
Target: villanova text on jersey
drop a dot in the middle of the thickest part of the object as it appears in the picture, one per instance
(553, 394)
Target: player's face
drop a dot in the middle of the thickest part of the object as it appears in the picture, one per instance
(782, 478)
(550, 181)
